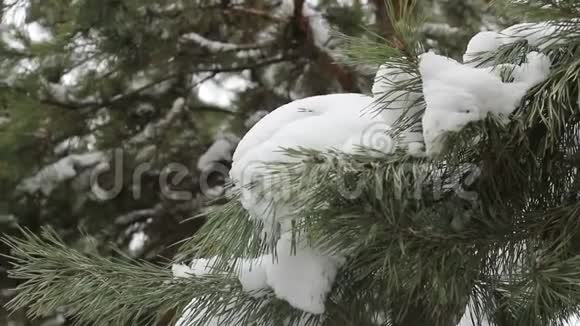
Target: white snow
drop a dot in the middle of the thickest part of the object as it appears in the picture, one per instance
(154, 128)
(15, 17)
(319, 26)
(198, 267)
(144, 109)
(213, 46)
(222, 90)
(457, 94)
(574, 321)
(481, 43)
(320, 123)
(536, 34)
(321, 31)
(76, 144)
(16, 12)
(38, 33)
(47, 179)
(4, 120)
(252, 275)
(64, 94)
(303, 278)
(240, 50)
(146, 82)
(137, 243)
(220, 150)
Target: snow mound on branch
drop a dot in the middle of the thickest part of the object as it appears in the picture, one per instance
(253, 277)
(258, 275)
(198, 267)
(457, 94)
(536, 34)
(482, 42)
(137, 243)
(319, 123)
(221, 150)
(302, 278)
(47, 179)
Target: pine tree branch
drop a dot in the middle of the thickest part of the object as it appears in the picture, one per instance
(119, 291)
(91, 288)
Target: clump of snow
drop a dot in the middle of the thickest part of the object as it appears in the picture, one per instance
(154, 128)
(457, 94)
(481, 43)
(321, 32)
(223, 89)
(374, 140)
(253, 277)
(47, 179)
(213, 46)
(146, 153)
(319, 26)
(303, 278)
(4, 120)
(335, 121)
(181, 271)
(145, 82)
(416, 149)
(536, 34)
(220, 150)
(63, 94)
(75, 144)
(38, 33)
(241, 50)
(10, 38)
(198, 267)
(137, 243)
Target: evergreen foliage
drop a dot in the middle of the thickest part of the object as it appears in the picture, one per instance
(418, 250)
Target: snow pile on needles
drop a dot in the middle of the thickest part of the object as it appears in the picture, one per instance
(455, 94)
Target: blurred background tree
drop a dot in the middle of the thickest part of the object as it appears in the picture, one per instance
(134, 92)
